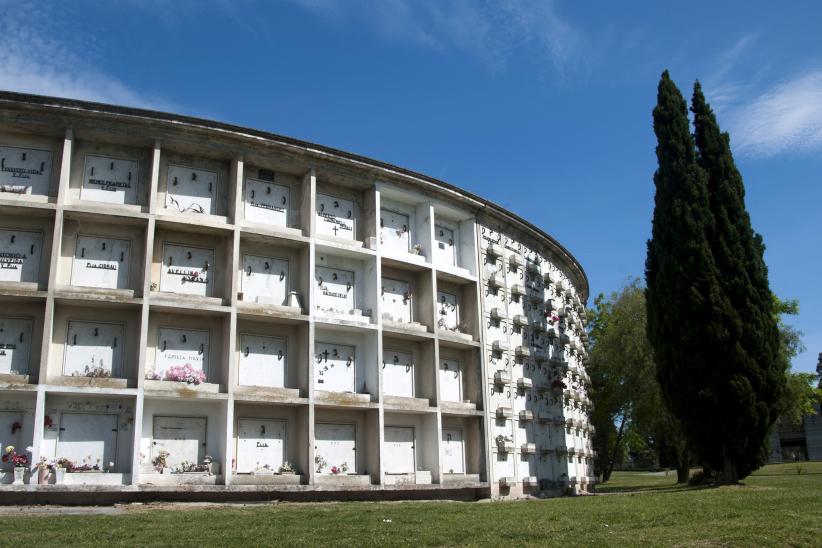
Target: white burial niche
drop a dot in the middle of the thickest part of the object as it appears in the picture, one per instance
(338, 214)
(344, 288)
(454, 306)
(20, 255)
(342, 439)
(458, 378)
(25, 170)
(405, 300)
(94, 349)
(272, 274)
(409, 448)
(193, 185)
(344, 363)
(182, 356)
(453, 245)
(404, 226)
(271, 199)
(16, 333)
(109, 179)
(101, 262)
(189, 264)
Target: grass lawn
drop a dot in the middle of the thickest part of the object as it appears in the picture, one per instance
(776, 506)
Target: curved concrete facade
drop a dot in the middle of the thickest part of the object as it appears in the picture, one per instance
(195, 306)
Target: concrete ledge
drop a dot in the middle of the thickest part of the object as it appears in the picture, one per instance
(270, 479)
(178, 480)
(92, 382)
(342, 482)
(76, 495)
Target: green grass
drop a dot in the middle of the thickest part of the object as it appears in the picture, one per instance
(776, 506)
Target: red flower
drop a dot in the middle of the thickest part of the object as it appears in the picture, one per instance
(48, 422)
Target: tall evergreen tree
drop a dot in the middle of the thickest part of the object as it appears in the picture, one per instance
(681, 277)
(748, 374)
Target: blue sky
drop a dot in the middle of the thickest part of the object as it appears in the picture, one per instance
(542, 106)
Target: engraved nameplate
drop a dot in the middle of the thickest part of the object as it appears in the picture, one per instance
(186, 269)
(180, 347)
(112, 180)
(335, 290)
(100, 262)
(20, 255)
(335, 217)
(266, 202)
(24, 170)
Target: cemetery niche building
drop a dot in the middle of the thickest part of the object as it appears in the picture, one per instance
(189, 307)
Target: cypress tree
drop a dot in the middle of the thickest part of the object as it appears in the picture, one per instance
(748, 374)
(681, 277)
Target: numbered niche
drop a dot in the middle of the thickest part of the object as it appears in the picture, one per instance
(336, 216)
(94, 349)
(191, 190)
(398, 373)
(267, 202)
(261, 445)
(20, 255)
(182, 355)
(263, 361)
(25, 170)
(335, 449)
(451, 380)
(448, 311)
(15, 345)
(335, 292)
(264, 280)
(397, 305)
(453, 450)
(109, 179)
(395, 230)
(445, 244)
(101, 262)
(187, 269)
(334, 367)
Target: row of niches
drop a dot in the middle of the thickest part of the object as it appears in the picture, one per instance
(269, 359)
(98, 254)
(405, 225)
(537, 469)
(183, 442)
(544, 438)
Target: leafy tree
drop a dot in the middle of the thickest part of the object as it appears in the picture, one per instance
(682, 280)
(748, 374)
(628, 409)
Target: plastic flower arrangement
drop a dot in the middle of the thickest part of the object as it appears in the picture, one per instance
(88, 465)
(16, 459)
(320, 462)
(182, 373)
(159, 461)
(341, 469)
(287, 468)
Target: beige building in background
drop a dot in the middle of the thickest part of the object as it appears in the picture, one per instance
(193, 307)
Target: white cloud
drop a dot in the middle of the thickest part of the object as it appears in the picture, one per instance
(787, 117)
(31, 61)
(489, 30)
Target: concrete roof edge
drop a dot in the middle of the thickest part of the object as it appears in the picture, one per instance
(312, 148)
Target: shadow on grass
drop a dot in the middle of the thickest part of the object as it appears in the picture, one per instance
(679, 488)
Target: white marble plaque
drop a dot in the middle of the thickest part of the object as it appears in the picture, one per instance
(453, 451)
(395, 231)
(93, 349)
(397, 373)
(191, 190)
(266, 202)
(112, 180)
(504, 466)
(20, 255)
(183, 437)
(186, 269)
(335, 290)
(396, 300)
(399, 450)
(178, 347)
(334, 367)
(24, 170)
(335, 445)
(450, 380)
(447, 311)
(87, 438)
(100, 262)
(445, 250)
(260, 442)
(15, 345)
(264, 280)
(335, 217)
(263, 361)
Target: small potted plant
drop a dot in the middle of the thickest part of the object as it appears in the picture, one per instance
(160, 462)
(19, 461)
(287, 468)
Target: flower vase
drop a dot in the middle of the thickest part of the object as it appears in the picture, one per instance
(43, 476)
(59, 474)
(214, 468)
(293, 299)
(19, 475)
